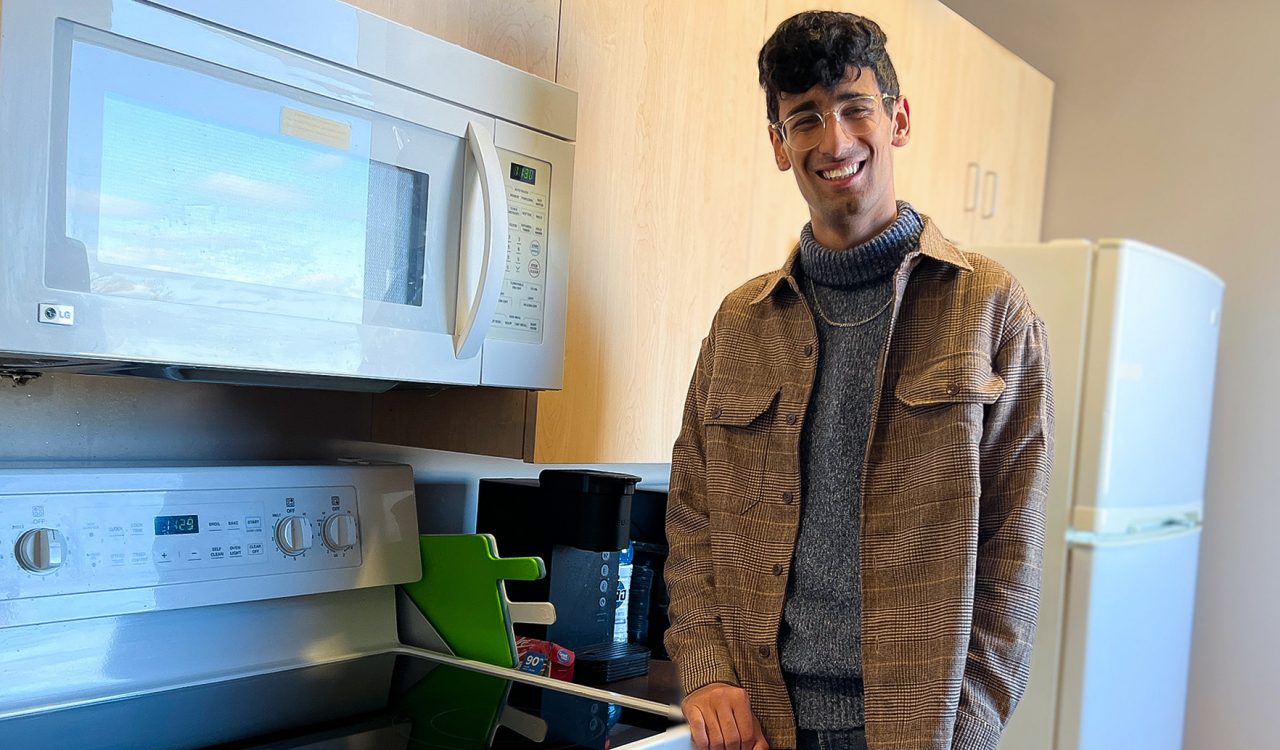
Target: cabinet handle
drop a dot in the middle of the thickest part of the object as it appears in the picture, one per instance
(971, 179)
(992, 179)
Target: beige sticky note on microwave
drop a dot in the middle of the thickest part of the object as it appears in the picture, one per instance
(314, 128)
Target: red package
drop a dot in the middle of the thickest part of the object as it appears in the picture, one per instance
(544, 658)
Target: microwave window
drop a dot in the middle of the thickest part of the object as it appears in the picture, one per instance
(197, 185)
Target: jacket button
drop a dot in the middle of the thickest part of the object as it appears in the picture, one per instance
(808, 350)
(777, 569)
(788, 497)
(717, 618)
(716, 413)
(952, 389)
(764, 651)
(792, 419)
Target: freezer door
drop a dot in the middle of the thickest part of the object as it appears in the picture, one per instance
(1128, 641)
(1148, 388)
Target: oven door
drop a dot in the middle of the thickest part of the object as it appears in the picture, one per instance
(207, 199)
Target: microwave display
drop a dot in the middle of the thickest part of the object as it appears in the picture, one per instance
(227, 192)
(524, 174)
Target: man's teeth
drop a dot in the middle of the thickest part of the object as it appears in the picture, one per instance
(841, 173)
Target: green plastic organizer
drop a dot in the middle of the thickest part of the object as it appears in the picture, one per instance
(462, 596)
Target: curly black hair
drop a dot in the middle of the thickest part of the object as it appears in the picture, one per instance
(818, 47)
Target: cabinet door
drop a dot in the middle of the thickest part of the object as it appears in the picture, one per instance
(1016, 101)
(1020, 208)
(995, 99)
(980, 125)
(668, 114)
(938, 69)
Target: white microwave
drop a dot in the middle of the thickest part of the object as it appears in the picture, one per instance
(292, 193)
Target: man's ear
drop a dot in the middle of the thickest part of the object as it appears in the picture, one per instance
(780, 155)
(901, 122)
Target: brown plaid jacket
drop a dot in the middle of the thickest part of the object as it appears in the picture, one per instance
(953, 500)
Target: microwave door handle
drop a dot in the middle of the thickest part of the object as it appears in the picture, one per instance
(484, 261)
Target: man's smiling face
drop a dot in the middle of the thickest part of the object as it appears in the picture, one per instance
(846, 180)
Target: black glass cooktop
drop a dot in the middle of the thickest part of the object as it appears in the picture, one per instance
(392, 701)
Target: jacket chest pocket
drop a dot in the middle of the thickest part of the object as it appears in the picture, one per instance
(962, 378)
(737, 429)
(941, 407)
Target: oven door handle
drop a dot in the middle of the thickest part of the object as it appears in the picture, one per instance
(481, 264)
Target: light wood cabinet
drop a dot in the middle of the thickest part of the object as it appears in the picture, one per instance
(1029, 157)
(980, 140)
(668, 118)
(933, 70)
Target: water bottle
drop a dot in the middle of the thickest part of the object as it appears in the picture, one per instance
(638, 608)
(624, 589)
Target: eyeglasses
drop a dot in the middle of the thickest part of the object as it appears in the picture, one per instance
(857, 117)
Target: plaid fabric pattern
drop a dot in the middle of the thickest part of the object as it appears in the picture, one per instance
(953, 500)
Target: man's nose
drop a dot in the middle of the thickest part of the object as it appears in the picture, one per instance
(834, 138)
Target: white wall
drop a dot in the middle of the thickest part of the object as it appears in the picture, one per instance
(1167, 129)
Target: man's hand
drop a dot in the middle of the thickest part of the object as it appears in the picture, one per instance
(720, 718)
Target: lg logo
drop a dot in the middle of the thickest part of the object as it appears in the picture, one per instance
(59, 315)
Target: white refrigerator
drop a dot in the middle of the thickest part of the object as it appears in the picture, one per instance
(1133, 339)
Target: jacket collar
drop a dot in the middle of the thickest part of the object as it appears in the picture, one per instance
(932, 245)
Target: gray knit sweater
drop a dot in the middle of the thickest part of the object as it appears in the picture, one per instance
(850, 293)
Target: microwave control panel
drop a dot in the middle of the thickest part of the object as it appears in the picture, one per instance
(520, 311)
(69, 543)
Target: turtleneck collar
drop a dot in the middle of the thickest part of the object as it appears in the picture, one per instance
(871, 261)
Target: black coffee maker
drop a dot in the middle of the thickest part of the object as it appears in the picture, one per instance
(577, 521)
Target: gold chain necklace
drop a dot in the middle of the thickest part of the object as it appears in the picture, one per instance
(817, 303)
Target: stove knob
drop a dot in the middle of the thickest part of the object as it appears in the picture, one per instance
(340, 532)
(293, 534)
(41, 550)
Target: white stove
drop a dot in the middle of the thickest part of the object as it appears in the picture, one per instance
(250, 606)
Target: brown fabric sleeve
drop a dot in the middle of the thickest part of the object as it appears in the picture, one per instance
(695, 639)
(1016, 457)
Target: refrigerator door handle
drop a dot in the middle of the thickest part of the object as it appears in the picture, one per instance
(1174, 528)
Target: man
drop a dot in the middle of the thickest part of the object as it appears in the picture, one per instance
(856, 514)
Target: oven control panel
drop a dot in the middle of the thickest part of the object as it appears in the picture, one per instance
(57, 543)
